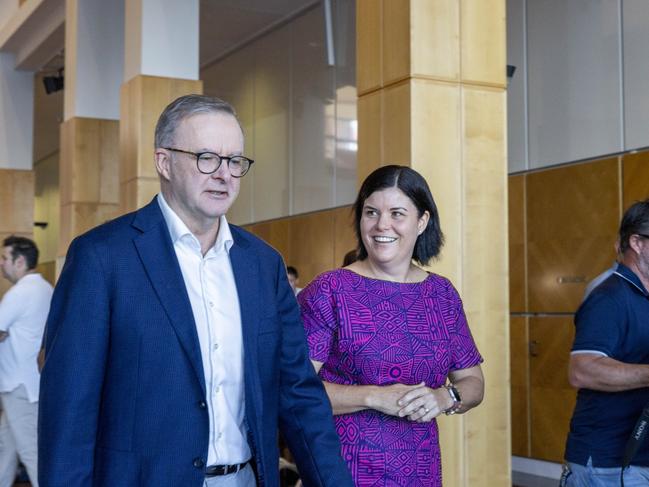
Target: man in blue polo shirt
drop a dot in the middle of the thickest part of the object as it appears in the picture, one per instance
(609, 364)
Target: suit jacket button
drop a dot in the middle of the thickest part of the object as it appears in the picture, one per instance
(202, 404)
(199, 463)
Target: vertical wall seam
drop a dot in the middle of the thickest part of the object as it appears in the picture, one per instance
(291, 161)
(623, 143)
(462, 227)
(526, 115)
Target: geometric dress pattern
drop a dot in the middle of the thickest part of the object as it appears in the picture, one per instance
(370, 331)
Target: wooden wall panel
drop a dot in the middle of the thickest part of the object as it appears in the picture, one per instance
(16, 208)
(370, 136)
(48, 271)
(396, 125)
(571, 232)
(552, 398)
(368, 44)
(395, 47)
(142, 99)
(635, 171)
(89, 161)
(483, 50)
(517, 245)
(519, 368)
(89, 176)
(16, 201)
(437, 154)
(276, 233)
(344, 236)
(435, 28)
(313, 243)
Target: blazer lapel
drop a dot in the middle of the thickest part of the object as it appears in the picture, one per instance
(245, 267)
(161, 264)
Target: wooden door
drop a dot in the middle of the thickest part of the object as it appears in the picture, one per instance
(552, 399)
(520, 392)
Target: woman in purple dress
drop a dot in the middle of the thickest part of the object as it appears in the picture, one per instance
(390, 340)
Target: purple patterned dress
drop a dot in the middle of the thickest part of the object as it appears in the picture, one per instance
(369, 331)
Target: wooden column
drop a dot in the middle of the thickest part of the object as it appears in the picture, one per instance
(16, 208)
(88, 176)
(142, 100)
(432, 95)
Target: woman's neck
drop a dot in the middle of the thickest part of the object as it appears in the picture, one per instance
(403, 272)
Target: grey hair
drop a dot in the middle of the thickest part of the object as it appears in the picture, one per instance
(185, 107)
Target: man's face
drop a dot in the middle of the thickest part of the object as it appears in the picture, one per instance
(200, 199)
(8, 265)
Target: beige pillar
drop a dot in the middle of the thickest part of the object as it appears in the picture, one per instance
(160, 65)
(89, 134)
(432, 95)
(143, 98)
(88, 176)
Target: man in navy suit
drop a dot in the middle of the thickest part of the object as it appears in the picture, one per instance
(174, 347)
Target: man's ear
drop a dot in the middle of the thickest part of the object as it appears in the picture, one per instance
(163, 163)
(636, 243)
(20, 262)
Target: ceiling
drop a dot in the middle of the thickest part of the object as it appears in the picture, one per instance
(226, 24)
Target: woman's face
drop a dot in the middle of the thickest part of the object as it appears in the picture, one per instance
(390, 224)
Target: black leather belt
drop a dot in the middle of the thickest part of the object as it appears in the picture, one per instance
(216, 470)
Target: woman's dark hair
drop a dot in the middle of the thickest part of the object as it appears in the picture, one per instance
(635, 221)
(414, 186)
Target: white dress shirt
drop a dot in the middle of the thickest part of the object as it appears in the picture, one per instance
(215, 304)
(23, 312)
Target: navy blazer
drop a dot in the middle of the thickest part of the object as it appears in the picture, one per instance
(123, 398)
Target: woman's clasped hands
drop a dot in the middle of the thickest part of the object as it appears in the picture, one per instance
(418, 402)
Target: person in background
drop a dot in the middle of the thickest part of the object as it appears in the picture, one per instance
(609, 364)
(23, 312)
(293, 279)
(390, 340)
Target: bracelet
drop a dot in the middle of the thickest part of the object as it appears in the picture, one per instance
(457, 400)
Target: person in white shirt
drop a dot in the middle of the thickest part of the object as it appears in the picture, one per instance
(23, 312)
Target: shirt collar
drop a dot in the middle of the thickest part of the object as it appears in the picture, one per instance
(628, 275)
(178, 229)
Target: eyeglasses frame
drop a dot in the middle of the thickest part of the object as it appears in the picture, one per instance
(197, 155)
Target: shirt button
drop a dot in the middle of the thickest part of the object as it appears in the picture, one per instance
(211, 304)
(215, 346)
(217, 389)
(202, 404)
(199, 463)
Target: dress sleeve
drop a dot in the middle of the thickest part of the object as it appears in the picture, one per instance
(464, 353)
(318, 317)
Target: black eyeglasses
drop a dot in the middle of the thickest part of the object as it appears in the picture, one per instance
(641, 235)
(209, 162)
